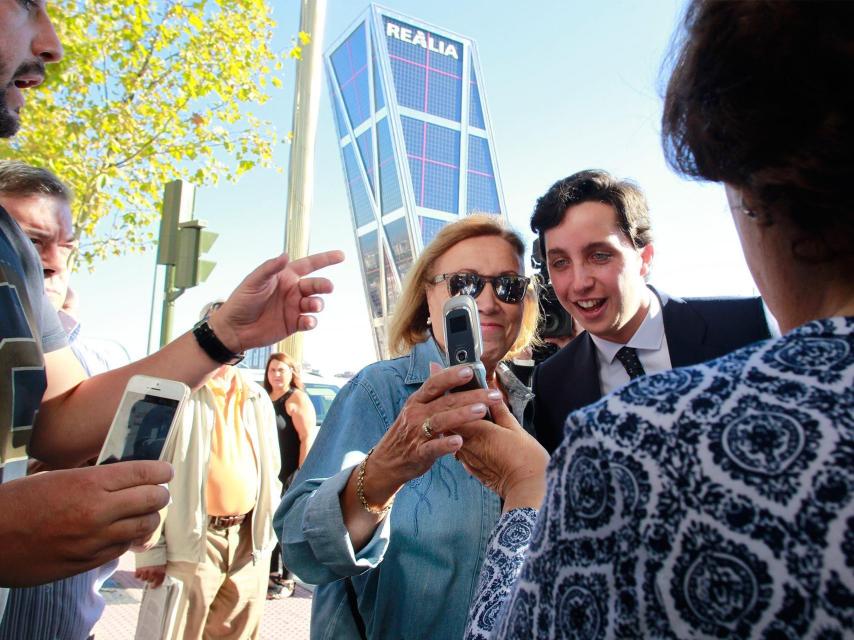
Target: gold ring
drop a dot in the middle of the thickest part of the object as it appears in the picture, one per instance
(427, 430)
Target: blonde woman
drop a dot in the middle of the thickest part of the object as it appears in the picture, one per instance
(379, 502)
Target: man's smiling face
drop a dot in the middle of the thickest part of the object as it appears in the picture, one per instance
(597, 273)
(27, 42)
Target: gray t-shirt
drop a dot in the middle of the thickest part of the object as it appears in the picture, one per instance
(29, 327)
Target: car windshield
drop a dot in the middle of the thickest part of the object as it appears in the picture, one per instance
(321, 396)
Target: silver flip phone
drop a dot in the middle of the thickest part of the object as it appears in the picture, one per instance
(463, 342)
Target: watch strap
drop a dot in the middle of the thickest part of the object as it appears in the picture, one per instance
(213, 346)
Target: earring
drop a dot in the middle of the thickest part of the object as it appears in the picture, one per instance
(429, 321)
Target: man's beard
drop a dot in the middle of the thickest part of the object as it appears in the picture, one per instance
(9, 124)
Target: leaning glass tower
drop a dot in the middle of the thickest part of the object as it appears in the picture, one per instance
(416, 144)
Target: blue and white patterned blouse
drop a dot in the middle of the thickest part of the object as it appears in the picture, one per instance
(710, 501)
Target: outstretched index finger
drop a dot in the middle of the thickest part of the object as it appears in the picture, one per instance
(316, 261)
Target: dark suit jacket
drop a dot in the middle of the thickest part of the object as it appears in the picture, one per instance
(697, 329)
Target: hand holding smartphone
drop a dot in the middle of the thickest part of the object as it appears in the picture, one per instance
(463, 341)
(145, 420)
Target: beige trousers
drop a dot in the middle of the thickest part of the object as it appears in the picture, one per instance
(224, 596)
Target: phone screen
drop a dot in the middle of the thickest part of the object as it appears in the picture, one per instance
(141, 428)
(457, 323)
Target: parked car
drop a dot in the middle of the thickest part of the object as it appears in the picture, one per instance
(321, 391)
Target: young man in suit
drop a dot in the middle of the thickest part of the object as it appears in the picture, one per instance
(594, 232)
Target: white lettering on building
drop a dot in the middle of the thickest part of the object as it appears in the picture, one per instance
(421, 39)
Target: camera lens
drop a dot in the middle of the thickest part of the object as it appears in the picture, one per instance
(554, 320)
(461, 355)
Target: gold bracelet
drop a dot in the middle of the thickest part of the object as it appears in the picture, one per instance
(360, 489)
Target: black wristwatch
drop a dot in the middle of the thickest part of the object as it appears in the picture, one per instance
(213, 346)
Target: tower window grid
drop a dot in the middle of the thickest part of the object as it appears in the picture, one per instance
(422, 176)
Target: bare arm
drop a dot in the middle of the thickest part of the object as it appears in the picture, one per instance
(84, 407)
(271, 303)
(302, 413)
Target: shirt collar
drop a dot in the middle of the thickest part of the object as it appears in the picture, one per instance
(649, 335)
(422, 354)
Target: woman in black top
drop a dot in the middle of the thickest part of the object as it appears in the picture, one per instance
(295, 422)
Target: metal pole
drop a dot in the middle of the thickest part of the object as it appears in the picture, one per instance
(151, 312)
(304, 127)
(168, 306)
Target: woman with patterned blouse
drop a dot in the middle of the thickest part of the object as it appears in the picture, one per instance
(716, 500)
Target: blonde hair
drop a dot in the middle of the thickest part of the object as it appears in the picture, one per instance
(409, 324)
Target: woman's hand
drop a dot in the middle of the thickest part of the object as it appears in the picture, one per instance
(505, 458)
(405, 451)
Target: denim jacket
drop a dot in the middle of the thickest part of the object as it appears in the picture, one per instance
(416, 576)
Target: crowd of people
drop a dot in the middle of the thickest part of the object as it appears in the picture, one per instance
(682, 467)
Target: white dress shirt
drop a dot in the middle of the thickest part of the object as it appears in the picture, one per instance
(649, 341)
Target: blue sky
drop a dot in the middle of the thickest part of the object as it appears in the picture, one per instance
(569, 85)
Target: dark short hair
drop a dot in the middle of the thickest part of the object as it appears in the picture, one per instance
(20, 179)
(760, 97)
(594, 185)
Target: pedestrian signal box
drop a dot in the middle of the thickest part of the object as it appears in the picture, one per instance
(194, 241)
(178, 202)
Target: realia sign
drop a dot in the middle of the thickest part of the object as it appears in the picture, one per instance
(421, 39)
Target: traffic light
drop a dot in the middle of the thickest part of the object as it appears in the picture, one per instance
(194, 241)
(182, 244)
(178, 202)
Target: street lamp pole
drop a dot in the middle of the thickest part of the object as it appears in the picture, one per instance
(304, 127)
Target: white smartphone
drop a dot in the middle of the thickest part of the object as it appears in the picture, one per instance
(463, 342)
(144, 422)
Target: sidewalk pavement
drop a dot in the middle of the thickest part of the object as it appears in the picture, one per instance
(286, 619)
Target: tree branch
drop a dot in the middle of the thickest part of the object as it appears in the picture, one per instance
(156, 136)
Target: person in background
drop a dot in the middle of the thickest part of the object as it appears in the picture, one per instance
(296, 425)
(391, 528)
(40, 203)
(715, 500)
(217, 535)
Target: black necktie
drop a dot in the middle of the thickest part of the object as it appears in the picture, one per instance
(628, 357)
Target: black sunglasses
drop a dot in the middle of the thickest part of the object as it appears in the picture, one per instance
(509, 289)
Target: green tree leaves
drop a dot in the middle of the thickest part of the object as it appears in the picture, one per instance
(150, 91)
